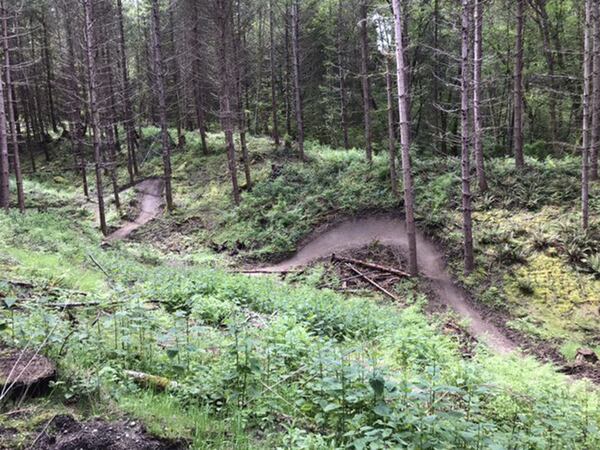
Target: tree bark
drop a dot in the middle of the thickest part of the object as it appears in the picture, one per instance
(12, 120)
(198, 90)
(518, 89)
(391, 125)
(297, 88)
(403, 105)
(596, 92)
(586, 132)
(159, 77)
(90, 49)
(275, 119)
(465, 139)
(477, 119)
(76, 128)
(224, 43)
(364, 75)
(342, 76)
(240, 56)
(4, 164)
(128, 119)
(49, 77)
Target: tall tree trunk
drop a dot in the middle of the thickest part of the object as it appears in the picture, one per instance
(198, 90)
(518, 89)
(4, 164)
(403, 105)
(240, 56)
(128, 120)
(391, 125)
(342, 75)
(596, 92)
(465, 139)
(90, 47)
(288, 76)
(297, 88)
(12, 120)
(76, 127)
(364, 74)
(49, 78)
(477, 119)
(275, 132)
(159, 76)
(587, 85)
(227, 81)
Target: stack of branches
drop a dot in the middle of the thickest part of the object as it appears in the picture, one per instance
(356, 274)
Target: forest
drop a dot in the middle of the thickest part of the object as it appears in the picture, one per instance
(299, 224)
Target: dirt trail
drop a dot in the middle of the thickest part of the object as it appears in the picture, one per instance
(357, 233)
(150, 195)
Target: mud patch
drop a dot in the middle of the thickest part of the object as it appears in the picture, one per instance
(63, 432)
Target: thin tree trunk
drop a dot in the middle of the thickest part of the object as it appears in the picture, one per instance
(465, 140)
(297, 89)
(240, 56)
(518, 89)
(596, 92)
(403, 99)
(391, 126)
(159, 77)
(94, 114)
(587, 84)
(342, 76)
(477, 119)
(11, 111)
(364, 74)
(288, 77)
(4, 164)
(76, 127)
(273, 78)
(49, 78)
(128, 120)
(198, 91)
(224, 50)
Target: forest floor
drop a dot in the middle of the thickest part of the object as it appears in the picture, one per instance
(318, 359)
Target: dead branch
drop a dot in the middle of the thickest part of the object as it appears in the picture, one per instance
(398, 272)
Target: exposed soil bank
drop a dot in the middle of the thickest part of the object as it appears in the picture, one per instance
(357, 233)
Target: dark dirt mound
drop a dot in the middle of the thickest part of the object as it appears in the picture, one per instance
(24, 372)
(66, 433)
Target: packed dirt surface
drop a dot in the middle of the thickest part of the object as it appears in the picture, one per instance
(150, 198)
(65, 433)
(358, 233)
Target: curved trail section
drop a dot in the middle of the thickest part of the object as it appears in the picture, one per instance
(150, 197)
(357, 233)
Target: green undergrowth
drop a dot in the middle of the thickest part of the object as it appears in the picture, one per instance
(258, 363)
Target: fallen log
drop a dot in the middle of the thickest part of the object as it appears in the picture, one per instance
(373, 283)
(151, 381)
(267, 271)
(343, 259)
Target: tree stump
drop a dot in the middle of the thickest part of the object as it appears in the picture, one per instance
(24, 373)
(586, 355)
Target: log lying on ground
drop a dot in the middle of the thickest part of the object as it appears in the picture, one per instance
(343, 259)
(24, 373)
(373, 283)
(151, 381)
(266, 271)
